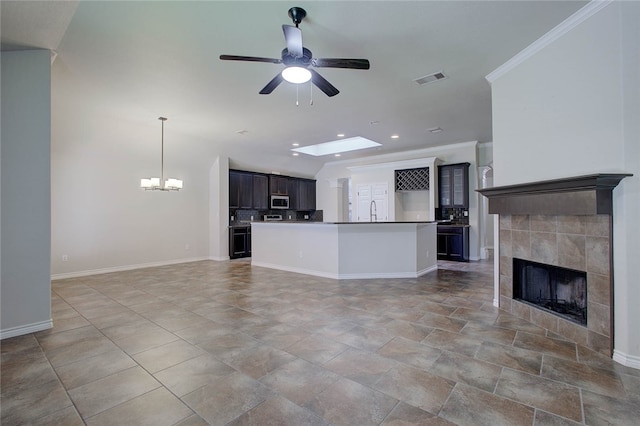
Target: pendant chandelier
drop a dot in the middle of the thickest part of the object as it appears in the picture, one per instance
(159, 184)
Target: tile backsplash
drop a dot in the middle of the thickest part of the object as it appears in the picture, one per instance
(240, 215)
(457, 213)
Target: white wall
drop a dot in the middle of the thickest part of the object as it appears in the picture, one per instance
(25, 193)
(563, 114)
(218, 209)
(412, 205)
(572, 109)
(100, 217)
(627, 197)
(327, 195)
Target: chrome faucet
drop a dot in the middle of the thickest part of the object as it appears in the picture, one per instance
(373, 211)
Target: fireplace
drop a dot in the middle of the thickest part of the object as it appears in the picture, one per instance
(561, 291)
(558, 234)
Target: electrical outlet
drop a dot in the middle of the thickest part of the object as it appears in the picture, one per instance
(289, 217)
(466, 213)
(306, 217)
(65, 257)
(251, 217)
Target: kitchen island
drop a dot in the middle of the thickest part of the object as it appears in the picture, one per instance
(346, 250)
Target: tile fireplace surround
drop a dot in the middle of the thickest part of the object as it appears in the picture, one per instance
(566, 223)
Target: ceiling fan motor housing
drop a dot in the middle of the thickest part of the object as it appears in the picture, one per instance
(303, 61)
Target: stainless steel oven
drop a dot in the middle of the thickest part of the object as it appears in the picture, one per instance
(279, 202)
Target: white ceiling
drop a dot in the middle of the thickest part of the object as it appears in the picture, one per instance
(140, 60)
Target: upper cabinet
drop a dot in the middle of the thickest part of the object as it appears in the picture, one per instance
(292, 192)
(240, 189)
(278, 185)
(260, 191)
(453, 185)
(251, 190)
(248, 190)
(306, 194)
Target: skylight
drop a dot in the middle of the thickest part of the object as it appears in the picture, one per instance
(334, 147)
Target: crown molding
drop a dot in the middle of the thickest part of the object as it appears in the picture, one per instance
(561, 29)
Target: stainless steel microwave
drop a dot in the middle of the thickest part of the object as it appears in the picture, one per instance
(279, 202)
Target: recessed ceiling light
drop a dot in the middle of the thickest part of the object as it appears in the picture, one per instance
(341, 135)
(394, 136)
(295, 154)
(333, 147)
(295, 144)
(336, 155)
(434, 130)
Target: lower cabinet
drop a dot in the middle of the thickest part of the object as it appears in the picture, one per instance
(239, 241)
(453, 243)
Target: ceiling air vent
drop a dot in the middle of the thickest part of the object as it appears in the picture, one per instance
(430, 78)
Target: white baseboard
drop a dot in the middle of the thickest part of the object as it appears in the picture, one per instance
(359, 276)
(389, 275)
(25, 329)
(626, 360)
(486, 252)
(124, 268)
(294, 269)
(219, 258)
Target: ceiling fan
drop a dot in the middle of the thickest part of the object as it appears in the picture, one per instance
(299, 60)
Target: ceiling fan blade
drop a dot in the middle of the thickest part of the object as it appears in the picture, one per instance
(270, 87)
(323, 84)
(293, 37)
(358, 64)
(250, 59)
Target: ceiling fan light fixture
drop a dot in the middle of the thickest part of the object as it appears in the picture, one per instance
(296, 75)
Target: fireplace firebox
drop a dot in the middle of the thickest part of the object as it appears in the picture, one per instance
(561, 291)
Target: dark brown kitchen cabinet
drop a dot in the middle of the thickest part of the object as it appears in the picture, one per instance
(260, 192)
(453, 243)
(306, 194)
(239, 242)
(292, 191)
(248, 190)
(453, 185)
(240, 190)
(278, 185)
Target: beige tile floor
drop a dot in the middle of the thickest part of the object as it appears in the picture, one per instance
(227, 343)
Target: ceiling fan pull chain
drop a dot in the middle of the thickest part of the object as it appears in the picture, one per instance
(311, 93)
(297, 103)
